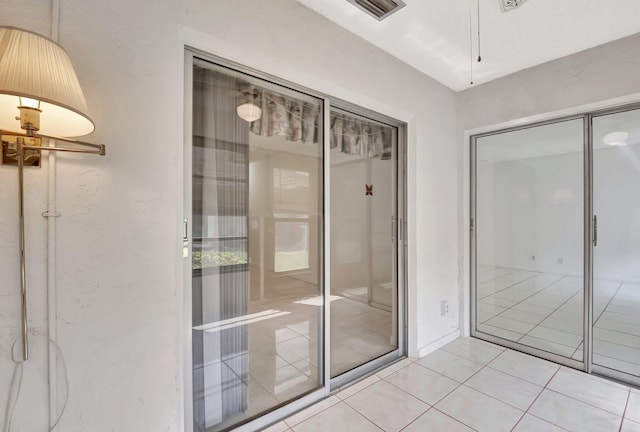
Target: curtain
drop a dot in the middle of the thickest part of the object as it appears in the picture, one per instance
(298, 121)
(220, 274)
(357, 137)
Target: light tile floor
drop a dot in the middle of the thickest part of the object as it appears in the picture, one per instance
(471, 385)
(282, 348)
(545, 311)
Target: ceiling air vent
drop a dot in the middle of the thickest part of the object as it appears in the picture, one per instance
(379, 9)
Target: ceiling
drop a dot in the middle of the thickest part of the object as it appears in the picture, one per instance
(433, 35)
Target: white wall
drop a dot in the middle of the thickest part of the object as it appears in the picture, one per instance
(596, 78)
(119, 273)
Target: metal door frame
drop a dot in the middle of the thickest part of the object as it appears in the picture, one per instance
(328, 385)
(588, 226)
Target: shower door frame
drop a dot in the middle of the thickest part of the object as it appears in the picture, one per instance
(586, 364)
(327, 385)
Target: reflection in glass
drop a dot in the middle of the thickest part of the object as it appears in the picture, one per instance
(616, 256)
(292, 246)
(257, 191)
(529, 237)
(363, 289)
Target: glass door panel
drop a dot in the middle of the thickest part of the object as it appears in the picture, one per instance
(363, 246)
(257, 261)
(529, 237)
(616, 252)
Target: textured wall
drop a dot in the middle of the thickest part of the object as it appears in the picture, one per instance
(119, 270)
(604, 72)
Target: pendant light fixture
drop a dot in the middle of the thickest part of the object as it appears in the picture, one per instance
(248, 110)
(618, 138)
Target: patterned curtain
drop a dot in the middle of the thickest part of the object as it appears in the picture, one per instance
(297, 121)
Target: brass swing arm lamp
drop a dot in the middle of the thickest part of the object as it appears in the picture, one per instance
(37, 80)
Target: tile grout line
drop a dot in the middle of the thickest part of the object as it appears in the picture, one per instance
(608, 303)
(536, 399)
(515, 283)
(471, 376)
(556, 391)
(527, 298)
(624, 413)
(581, 401)
(460, 384)
(433, 406)
(535, 337)
(545, 387)
(484, 296)
(547, 421)
(600, 380)
(313, 415)
(455, 419)
(486, 365)
(368, 419)
(540, 323)
(622, 332)
(548, 316)
(498, 277)
(525, 412)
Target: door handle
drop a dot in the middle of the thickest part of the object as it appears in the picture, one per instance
(393, 228)
(595, 230)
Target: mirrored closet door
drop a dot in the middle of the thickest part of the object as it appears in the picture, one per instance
(528, 237)
(616, 245)
(555, 243)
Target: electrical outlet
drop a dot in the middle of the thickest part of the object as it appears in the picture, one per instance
(444, 307)
(560, 261)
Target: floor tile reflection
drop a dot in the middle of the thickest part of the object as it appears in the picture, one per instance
(282, 327)
(545, 311)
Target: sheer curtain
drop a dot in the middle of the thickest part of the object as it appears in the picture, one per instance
(220, 273)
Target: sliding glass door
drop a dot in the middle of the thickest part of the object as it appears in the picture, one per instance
(616, 246)
(256, 232)
(555, 240)
(288, 300)
(363, 241)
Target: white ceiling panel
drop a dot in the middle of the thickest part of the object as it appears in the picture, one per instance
(434, 35)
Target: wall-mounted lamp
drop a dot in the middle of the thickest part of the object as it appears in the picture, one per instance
(40, 97)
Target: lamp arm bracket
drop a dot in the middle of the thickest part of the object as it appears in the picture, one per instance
(98, 149)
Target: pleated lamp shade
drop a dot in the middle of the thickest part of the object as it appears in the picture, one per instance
(34, 67)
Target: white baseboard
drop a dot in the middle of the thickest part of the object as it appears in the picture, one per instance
(429, 348)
